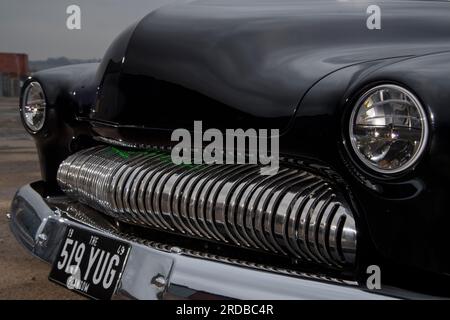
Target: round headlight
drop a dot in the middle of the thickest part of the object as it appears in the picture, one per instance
(388, 129)
(33, 106)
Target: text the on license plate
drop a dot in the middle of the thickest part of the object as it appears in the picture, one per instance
(101, 267)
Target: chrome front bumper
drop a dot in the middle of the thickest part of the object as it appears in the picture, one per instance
(156, 271)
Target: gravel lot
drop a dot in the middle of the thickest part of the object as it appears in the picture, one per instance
(22, 276)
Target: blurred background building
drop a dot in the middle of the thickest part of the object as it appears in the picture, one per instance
(13, 71)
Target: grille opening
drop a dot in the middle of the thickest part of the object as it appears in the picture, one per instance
(294, 218)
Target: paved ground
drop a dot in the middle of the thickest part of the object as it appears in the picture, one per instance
(21, 276)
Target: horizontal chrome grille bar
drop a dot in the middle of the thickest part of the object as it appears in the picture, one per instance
(293, 212)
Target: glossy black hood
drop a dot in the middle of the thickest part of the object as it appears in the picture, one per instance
(249, 63)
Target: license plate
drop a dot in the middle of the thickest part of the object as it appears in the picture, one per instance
(89, 263)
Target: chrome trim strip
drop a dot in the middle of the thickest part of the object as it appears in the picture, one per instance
(136, 199)
(175, 199)
(273, 206)
(209, 191)
(234, 205)
(150, 190)
(222, 201)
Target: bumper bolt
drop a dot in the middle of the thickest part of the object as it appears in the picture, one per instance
(176, 250)
(159, 282)
(41, 239)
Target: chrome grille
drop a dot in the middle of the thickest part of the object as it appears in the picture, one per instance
(293, 212)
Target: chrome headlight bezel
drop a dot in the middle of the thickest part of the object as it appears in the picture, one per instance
(413, 161)
(41, 106)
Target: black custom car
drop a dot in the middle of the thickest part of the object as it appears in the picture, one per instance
(363, 184)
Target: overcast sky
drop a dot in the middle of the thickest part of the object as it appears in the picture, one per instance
(38, 27)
